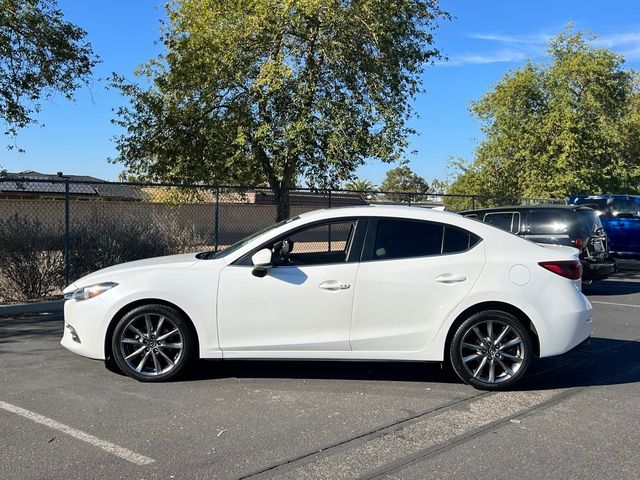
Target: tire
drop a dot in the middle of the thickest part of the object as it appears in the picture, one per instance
(491, 350)
(153, 343)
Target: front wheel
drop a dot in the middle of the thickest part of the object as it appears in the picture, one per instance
(152, 343)
(491, 350)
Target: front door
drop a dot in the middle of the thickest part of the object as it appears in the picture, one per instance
(302, 305)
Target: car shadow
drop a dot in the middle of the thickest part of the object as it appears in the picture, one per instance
(321, 370)
(611, 287)
(604, 362)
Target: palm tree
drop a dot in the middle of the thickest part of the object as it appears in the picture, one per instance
(361, 185)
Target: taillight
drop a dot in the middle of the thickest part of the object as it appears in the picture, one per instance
(578, 243)
(571, 269)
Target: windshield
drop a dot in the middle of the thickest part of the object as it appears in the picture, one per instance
(241, 243)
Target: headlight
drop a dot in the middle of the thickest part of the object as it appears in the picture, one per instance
(91, 291)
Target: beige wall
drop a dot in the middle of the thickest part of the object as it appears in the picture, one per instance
(235, 220)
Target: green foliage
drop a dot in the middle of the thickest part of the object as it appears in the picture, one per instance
(403, 179)
(360, 185)
(40, 54)
(275, 90)
(570, 126)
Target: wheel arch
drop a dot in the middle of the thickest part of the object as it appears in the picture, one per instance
(137, 303)
(493, 305)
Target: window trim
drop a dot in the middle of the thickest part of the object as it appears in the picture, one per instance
(354, 252)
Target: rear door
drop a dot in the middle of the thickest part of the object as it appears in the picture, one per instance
(413, 274)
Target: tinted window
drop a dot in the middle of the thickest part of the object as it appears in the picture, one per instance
(625, 207)
(579, 224)
(548, 222)
(508, 221)
(595, 203)
(407, 238)
(457, 240)
(588, 223)
(321, 244)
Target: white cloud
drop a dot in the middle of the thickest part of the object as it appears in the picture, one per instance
(519, 47)
(499, 56)
(535, 39)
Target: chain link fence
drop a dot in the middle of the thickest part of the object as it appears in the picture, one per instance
(55, 230)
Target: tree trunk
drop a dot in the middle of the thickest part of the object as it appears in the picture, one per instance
(282, 201)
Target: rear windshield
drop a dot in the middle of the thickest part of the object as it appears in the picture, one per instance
(580, 223)
(595, 203)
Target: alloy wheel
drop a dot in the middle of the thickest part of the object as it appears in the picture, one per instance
(492, 351)
(151, 344)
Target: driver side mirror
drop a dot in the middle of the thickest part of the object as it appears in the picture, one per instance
(261, 261)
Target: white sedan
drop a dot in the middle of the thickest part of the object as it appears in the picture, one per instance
(374, 283)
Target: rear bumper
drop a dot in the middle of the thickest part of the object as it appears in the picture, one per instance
(569, 329)
(598, 270)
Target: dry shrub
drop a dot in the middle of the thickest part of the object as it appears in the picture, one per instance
(31, 257)
(31, 261)
(99, 244)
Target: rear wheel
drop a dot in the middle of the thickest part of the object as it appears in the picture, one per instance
(491, 350)
(152, 343)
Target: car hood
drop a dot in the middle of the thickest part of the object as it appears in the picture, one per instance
(121, 270)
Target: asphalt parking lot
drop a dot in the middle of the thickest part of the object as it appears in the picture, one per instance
(64, 416)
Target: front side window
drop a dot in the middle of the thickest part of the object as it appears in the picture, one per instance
(626, 207)
(318, 244)
(326, 243)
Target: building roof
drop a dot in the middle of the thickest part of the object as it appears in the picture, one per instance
(36, 183)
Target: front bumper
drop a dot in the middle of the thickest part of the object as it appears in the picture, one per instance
(84, 331)
(598, 269)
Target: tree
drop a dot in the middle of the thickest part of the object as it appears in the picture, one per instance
(275, 90)
(360, 185)
(403, 180)
(566, 127)
(41, 54)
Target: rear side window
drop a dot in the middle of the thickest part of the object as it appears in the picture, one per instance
(548, 222)
(457, 240)
(509, 221)
(408, 238)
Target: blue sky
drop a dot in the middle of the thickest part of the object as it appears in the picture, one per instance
(482, 42)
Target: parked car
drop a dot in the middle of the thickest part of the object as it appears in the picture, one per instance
(620, 217)
(573, 226)
(374, 283)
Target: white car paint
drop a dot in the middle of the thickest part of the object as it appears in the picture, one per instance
(384, 309)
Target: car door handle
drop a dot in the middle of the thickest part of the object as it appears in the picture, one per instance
(334, 285)
(450, 278)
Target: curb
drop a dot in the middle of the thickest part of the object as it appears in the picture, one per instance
(56, 306)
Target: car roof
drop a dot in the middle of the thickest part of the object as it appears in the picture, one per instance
(379, 211)
(527, 207)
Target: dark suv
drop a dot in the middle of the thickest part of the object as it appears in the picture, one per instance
(570, 225)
